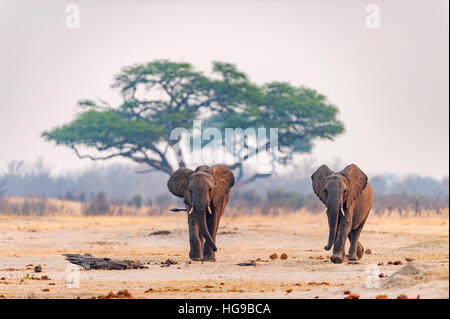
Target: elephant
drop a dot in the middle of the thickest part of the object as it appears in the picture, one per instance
(347, 196)
(206, 192)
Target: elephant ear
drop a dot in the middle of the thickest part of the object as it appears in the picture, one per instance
(357, 181)
(223, 181)
(202, 168)
(179, 181)
(318, 181)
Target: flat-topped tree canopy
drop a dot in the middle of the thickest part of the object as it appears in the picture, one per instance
(160, 96)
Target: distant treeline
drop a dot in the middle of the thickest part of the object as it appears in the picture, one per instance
(122, 185)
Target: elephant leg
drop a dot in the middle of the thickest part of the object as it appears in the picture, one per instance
(356, 250)
(354, 246)
(360, 250)
(195, 242)
(213, 226)
(339, 245)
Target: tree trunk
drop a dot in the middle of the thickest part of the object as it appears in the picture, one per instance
(87, 261)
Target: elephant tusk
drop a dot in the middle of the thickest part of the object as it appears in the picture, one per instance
(325, 211)
(191, 210)
(209, 210)
(342, 211)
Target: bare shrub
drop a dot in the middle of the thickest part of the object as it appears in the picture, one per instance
(162, 203)
(97, 206)
(403, 204)
(2, 188)
(135, 201)
(28, 207)
(277, 201)
(245, 198)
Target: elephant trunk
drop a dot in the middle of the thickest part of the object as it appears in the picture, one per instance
(201, 214)
(333, 220)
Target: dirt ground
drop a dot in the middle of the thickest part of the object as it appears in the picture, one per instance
(26, 242)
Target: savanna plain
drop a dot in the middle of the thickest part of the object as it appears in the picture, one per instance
(259, 256)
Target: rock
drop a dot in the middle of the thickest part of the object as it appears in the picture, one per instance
(159, 233)
(314, 283)
(168, 263)
(121, 294)
(250, 263)
(414, 273)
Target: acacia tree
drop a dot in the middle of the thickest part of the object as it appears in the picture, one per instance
(160, 96)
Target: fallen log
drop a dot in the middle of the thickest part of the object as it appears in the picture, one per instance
(87, 261)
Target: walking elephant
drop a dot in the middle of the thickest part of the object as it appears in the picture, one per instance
(206, 192)
(348, 197)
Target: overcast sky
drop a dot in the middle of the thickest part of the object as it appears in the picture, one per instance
(390, 84)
